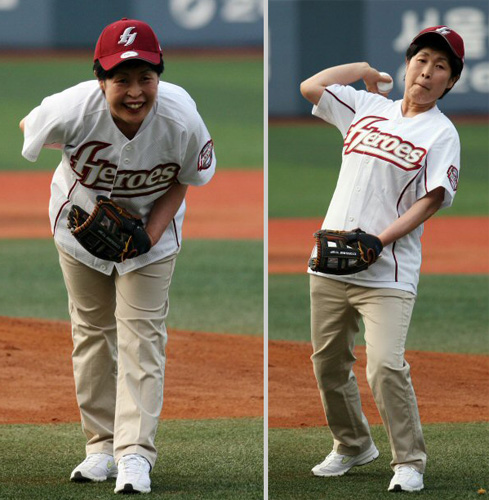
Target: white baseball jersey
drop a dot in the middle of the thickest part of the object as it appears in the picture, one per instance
(172, 145)
(388, 163)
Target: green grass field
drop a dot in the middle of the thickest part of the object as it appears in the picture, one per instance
(207, 459)
(456, 468)
(221, 297)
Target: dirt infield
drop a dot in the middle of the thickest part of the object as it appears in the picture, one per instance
(207, 375)
(444, 252)
(213, 211)
(449, 387)
(213, 375)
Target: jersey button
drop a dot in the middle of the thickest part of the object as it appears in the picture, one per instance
(351, 219)
(358, 188)
(128, 148)
(127, 160)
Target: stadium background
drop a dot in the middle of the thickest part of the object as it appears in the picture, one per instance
(214, 49)
(448, 343)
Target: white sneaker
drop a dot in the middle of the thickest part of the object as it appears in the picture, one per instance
(133, 475)
(406, 478)
(96, 467)
(337, 465)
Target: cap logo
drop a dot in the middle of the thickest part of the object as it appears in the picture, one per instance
(127, 38)
(130, 53)
(443, 30)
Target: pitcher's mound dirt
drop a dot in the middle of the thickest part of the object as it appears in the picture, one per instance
(208, 375)
(218, 375)
(449, 387)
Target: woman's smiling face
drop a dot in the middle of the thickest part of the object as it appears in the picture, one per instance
(130, 94)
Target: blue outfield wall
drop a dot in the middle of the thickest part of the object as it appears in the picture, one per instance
(76, 24)
(307, 36)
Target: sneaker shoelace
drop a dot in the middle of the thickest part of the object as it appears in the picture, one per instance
(93, 459)
(133, 465)
(331, 458)
(405, 471)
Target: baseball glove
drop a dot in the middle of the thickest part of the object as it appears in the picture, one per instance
(109, 232)
(344, 252)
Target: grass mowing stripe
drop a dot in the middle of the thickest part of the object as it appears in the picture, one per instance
(206, 459)
(309, 164)
(456, 469)
(210, 292)
(450, 315)
(218, 287)
(236, 125)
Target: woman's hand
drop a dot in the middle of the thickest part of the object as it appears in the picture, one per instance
(372, 78)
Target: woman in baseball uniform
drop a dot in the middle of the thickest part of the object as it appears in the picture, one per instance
(141, 142)
(400, 165)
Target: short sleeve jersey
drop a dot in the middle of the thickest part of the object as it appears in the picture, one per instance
(171, 146)
(388, 163)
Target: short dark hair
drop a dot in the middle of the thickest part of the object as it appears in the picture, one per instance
(103, 74)
(436, 42)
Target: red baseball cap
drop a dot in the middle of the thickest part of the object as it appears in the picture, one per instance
(452, 38)
(127, 39)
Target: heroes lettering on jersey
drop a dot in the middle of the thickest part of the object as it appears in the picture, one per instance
(99, 174)
(365, 138)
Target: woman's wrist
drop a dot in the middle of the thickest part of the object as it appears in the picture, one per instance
(152, 239)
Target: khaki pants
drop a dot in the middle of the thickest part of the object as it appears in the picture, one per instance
(119, 338)
(336, 308)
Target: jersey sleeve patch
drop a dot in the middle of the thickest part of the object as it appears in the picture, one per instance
(452, 174)
(205, 156)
